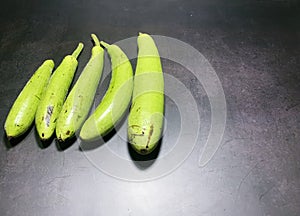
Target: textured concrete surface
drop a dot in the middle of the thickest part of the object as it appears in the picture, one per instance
(254, 47)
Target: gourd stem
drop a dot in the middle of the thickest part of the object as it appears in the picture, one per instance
(95, 39)
(106, 45)
(78, 50)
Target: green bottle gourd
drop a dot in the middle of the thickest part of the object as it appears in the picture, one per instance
(78, 103)
(56, 92)
(22, 112)
(116, 99)
(145, 121)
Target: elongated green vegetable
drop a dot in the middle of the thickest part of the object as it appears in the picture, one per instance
(53, 99)
(81, 97)
(145, 121)
(21, 115)
(116, 99)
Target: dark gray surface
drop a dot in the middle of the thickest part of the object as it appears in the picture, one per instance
(255, 50)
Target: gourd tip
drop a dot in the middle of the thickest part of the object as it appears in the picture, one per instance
(50, 62)
(78, 50)
(104, 44)
(80, 44)
(95, 39)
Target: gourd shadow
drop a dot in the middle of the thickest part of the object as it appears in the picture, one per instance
(91, 145)
(143, 162)
(11, 143)
(43, 144)
(63, 145)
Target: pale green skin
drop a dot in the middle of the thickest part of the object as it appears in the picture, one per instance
(116, 99)
(78, 103)
(22, 112)
(145, 121)
(53, 99)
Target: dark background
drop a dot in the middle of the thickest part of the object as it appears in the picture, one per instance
(254, 47)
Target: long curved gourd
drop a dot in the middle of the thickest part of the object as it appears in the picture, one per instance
(53, 99)
(22, 112)
(116, 99)
(145, 121)
(79, 101)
